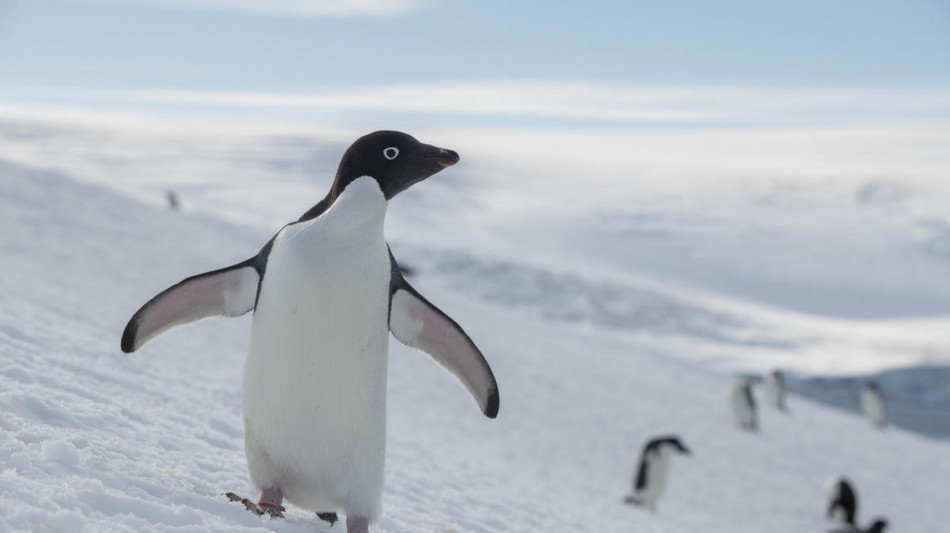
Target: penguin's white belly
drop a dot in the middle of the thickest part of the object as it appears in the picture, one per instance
(774, 393)
(874, 408)
(315, 373)
(657, 471)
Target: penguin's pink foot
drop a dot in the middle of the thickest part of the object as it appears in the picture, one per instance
(248, 504)
(357, 524)
(270, 502)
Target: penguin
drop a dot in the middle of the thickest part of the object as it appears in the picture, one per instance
(326, 292)
(774, 388)
(842, 501)
(654, 469)
(172, 198)
(743, 404)
(874, 404)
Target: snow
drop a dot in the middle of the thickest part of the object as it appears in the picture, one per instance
(592, 355)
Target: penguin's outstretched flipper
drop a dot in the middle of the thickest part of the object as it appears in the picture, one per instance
(417, 323)
(230, 291)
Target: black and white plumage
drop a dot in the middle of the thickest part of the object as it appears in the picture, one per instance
(842, 502)
(653, 472)
(326, 292)
(742, 403)
(874, 404)
(773, 387)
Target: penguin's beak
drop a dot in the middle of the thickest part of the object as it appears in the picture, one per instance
(446, 158)
(685, 451)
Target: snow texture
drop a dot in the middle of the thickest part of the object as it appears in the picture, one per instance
(590, 364)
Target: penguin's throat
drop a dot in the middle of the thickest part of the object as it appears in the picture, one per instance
(360, 208)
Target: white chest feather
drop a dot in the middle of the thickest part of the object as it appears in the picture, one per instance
(774, 391)
(658, 465)
(874, 407)
(742, 407)
(315, 374)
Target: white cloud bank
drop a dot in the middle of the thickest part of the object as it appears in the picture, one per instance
(297, 8)
(580, 101)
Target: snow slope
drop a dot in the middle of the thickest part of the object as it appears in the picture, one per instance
(91, 439)
(823, 252)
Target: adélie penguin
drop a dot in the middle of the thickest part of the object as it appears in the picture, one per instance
(874, 404)
(654, 470)
(773, 386)
(326, 292)
(842, 501)
(843, 508)
(742, 404)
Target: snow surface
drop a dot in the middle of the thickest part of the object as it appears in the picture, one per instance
(822, 252)
(590, 362)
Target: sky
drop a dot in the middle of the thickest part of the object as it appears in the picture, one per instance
(181, 55)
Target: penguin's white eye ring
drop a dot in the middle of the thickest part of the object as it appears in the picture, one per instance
(391, 153)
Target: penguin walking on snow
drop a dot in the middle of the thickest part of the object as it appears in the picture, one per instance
(172, 198)
(654, 470)
(773, 386)
(843, 508)
(842, 501)
(743, 404)
(874, 404)
(326, 293)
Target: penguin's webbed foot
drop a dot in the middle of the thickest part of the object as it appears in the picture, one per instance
(328, 517)
(260, 509)
(248, 504)
(274, 511)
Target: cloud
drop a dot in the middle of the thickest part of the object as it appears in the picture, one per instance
(572, 102)
(296, 8)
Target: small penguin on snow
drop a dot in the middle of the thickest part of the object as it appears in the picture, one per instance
(874, 404)
(172, 198)
(654, 470)
(774, 388)
(743, 404)
(842, 501)
(326, 292)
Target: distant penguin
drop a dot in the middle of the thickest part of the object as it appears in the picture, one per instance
(874, 404)
(842, 501)
(327, 292)
(774, 389)
(743, 404)
(172, 198)
(653, 471)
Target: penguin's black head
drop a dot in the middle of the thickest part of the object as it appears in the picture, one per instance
(680, 447)
(878, 526)
(670, 440)
(395, 160)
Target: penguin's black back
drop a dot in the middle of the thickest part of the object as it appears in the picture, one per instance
(846, 499)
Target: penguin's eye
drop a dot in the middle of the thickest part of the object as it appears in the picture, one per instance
(391, 153)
